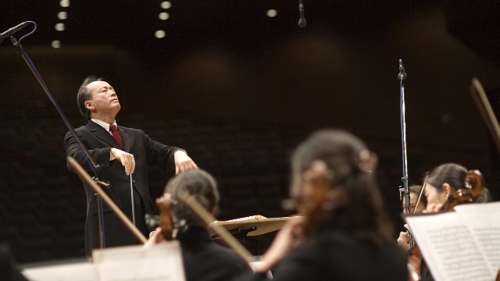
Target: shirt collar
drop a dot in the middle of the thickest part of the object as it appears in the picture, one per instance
(103, 124)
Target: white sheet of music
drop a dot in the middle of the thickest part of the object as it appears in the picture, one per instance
(84, 271)
(449, 247)
(162, 262)
(484, 222)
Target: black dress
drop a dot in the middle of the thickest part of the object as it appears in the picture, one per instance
(333, 254)
(206, 260)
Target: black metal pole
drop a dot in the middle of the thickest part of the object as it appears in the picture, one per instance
(406, 192)
(91, 162)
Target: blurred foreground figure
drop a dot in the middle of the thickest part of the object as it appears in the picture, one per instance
(203, 258)
(9, 270)
(343, 232)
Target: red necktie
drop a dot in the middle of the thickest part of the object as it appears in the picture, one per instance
(116, 134)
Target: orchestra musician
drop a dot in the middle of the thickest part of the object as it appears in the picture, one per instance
(441, 190)
(203, 258)
(342, 232)
(445, 179)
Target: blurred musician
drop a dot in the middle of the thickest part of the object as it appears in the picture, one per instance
(343, 232)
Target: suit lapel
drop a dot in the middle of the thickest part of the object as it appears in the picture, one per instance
(100, 133)
(125, 139)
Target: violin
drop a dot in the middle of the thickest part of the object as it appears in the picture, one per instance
(166, 221)
(414, 260)
(474, 187)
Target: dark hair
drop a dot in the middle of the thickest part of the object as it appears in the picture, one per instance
(450, 173)
(454, 175)
(343, 154)
(197, 183)
(84, 95)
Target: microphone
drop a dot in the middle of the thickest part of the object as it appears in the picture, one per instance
(302, 20)
(9, 32)
(402, 73)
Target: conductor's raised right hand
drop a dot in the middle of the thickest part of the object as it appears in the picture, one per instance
(127, 160)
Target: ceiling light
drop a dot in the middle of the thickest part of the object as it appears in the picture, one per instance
(56, 44)
(62, 15)
(166, 5)
(59, 27)
(159, 34)
(272, 13)
(64, 3)
(163, 16)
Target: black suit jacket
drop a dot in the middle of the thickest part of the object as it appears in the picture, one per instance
(146, 152)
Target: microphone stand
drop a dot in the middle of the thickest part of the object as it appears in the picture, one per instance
(91, 162)
(406, 192)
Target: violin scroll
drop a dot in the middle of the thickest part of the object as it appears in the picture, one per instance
(474, 187)
(166, 222)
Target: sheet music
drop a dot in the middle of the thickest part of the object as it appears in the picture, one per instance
(484, 221)
(449, 247)
(162, 262)
(84, 271)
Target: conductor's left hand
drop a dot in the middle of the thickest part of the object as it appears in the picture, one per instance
(183, 162)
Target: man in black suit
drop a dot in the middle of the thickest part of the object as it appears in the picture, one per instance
(123, 157)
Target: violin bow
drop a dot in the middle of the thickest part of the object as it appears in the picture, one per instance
(207, 219)
(421, 191)
(85, 177)
(483, 104)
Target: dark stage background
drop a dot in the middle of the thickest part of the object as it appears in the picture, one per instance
(239, 90)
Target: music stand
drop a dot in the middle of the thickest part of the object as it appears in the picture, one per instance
(246, 229)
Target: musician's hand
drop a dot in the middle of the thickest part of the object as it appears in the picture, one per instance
(433, 207)
(284, 240)
(183, 162)
(403, 240)
(154, 238)
(127, 160)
